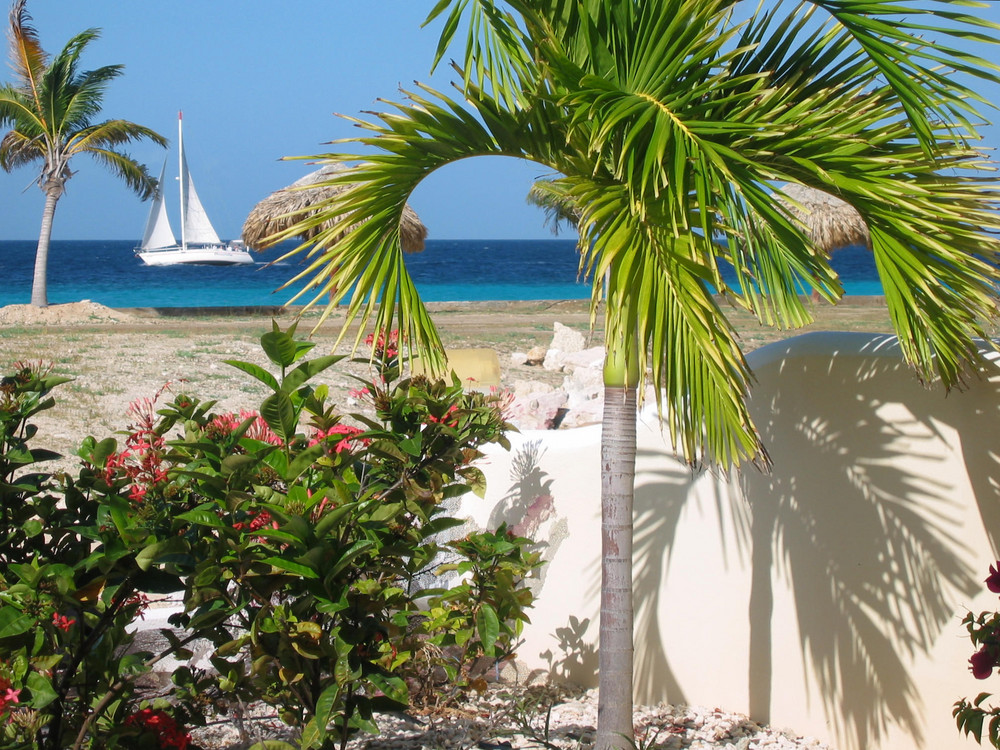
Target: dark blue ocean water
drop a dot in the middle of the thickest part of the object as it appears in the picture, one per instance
(107, 272)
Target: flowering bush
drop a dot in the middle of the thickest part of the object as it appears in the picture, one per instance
(984, 631)
(65, 599)
(300, 540)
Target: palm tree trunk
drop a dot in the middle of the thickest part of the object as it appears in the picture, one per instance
(614, 713)
(39, 284)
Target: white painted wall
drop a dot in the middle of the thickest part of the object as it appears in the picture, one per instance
(826, 596)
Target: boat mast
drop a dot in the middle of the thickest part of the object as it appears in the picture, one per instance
(181, 177)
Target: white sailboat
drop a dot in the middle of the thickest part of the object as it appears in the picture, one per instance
(200, 244)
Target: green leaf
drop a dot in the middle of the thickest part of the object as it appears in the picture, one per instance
(307, 370)
(279, 413)
(291, 567)
(475, 479)
(313, 734)
(326, 703)
(332, 518)
(282, 349)
(392, 686)
(412, 445)
(42, 692)
(488, 627)
(203, 515)
(154, 553)
(256, 371)
(14, 622)
(236, 462)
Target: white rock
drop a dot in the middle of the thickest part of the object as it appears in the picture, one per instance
(518, 358)
(527, 387)
(537, 411)
(592, 358)
(566, 339)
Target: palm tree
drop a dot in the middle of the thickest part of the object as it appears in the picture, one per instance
(50, 108)
(670, 123)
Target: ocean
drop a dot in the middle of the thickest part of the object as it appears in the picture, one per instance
(107, 272)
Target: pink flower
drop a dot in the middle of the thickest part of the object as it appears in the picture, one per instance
(8, 696)
(993, 581)
(982, 663)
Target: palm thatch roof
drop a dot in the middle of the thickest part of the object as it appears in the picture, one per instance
(830, 222)
(283, 208)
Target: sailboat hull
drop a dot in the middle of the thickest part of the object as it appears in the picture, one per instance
(210, 255)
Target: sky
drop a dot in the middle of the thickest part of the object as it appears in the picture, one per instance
(258, 81)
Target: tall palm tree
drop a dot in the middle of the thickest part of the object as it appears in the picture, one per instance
(670, 122)
(50, 108)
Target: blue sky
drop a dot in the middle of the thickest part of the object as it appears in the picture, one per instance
(258, 81)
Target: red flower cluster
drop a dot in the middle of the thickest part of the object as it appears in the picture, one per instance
(8, 696)
(142, 459)
(259, 521)
(431, 419)
(386, 347)
(225, 424)
(168, 732)
(346, 433)
(62, 622)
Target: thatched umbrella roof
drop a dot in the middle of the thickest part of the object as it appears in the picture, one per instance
(830, 222)
(283, 208)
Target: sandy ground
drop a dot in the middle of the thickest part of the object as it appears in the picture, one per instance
(118, 356)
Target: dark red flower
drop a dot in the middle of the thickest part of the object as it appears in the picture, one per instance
(982, 663)
(993, 582)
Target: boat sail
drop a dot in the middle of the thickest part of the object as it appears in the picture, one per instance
(200, 244)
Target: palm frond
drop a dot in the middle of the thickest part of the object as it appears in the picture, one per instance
(495, 46)
(135, 175)
(920, 71)
(113, 133)
(28, 59)
(16, 150)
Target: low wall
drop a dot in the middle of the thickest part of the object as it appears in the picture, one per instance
(825, 596)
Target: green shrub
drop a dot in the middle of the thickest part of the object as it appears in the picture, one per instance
(300, 541)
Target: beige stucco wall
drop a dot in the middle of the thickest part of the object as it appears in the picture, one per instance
(826, 596)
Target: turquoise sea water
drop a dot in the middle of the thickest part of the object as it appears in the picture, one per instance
(108, 272)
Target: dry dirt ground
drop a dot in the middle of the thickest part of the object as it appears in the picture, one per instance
(118, 356)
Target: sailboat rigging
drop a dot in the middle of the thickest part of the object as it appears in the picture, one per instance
(200, 244)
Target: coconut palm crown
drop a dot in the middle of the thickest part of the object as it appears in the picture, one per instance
(50, 108)
(671, 124)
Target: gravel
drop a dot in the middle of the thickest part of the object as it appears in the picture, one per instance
(509, 717)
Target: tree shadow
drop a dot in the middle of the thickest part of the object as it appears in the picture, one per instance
(869, 548)
(528, 507)
(660, 498)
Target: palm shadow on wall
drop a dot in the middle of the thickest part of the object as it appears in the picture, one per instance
(528, 509)
(658, 504)
(870, 552)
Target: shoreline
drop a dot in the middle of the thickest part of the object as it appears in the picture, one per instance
(225, 311)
